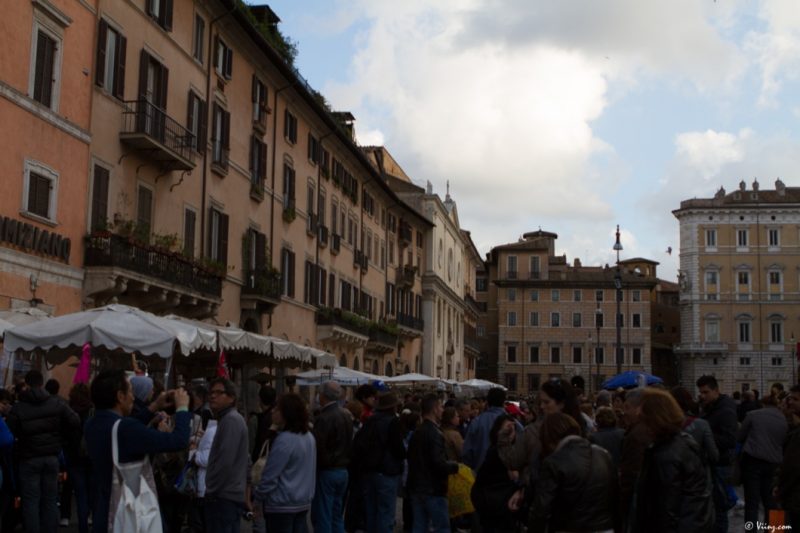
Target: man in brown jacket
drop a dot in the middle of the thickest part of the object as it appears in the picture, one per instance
(635, 442)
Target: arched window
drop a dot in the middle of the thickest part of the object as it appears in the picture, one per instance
(389, 372)
(343, 360)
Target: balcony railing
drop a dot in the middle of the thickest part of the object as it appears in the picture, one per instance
(343, 319)
(380, 336)
(411, 322)
(536, 274)
(263, 282)
(149, 129)
(110, 250)
(511, 274)
(405, 276)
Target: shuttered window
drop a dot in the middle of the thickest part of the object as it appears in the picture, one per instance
(161, 12)
(110, 65)
(218, 236)
(144, 211)
(287, 272)
(189, 229)
(258, 161)
(39, 188)
(196, 121)
(100, 198)
(44, 69)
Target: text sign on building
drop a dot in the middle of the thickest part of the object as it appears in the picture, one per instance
(32, 239)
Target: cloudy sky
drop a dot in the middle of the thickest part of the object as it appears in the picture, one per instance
(568, 115)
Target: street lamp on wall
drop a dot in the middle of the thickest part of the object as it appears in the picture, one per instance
(618, 287)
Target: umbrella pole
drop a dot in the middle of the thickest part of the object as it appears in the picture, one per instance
(9, 368)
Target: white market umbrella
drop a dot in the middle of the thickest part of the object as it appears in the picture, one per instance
(113, 327)
(20, 317)
(340, 374)
(412, 377)
(481, 384)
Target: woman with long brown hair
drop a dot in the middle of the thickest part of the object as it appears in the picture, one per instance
(673, 493)
(577, 485)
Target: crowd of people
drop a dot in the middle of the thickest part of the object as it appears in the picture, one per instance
(641, 460)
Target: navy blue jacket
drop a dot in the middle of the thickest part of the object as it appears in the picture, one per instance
(136, 440)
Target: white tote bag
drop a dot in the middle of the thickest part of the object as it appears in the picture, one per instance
(134, 503)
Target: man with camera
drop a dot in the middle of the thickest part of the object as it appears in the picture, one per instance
(112, 395)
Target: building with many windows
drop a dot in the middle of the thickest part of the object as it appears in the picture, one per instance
(168, 155)
(548, 319)
(739, 286)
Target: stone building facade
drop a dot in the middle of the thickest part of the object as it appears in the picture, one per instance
(739, 286)
(548, 319)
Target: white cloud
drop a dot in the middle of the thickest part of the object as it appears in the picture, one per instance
(708, 151)
(776, 49)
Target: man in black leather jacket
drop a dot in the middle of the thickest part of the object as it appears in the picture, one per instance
(428, 469)
(42, 424)
(333, 432)
(719, 410)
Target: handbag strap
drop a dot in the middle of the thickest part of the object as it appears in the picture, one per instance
(115, 443)
(264, 449)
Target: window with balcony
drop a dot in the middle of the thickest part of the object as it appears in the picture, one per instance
(196, 122)
(161, 12)
(189, 231)
(199, 38)
(100, 181)
(287, 277)
(290, 126)
(511, 353)
(555, 354)
(109, 70)
(576, 320)
(258, 97)
(511, 318)
(41, 191)
(144, 211)
(555, 320)
(218, 236)
(555, 295)
(535, 267)
(533, 319)
(220, 137)
(511, 267)
(711, 238)
(223, 59)
(577, 355)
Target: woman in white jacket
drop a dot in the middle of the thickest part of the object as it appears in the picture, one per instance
(200, 458)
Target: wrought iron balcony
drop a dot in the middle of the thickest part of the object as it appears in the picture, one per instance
(150, 130)
(343, 327)
(381, 340)
(261, 290)
(405, 276)
(410, 322)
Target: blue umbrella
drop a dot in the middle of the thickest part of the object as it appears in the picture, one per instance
(630, 379)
